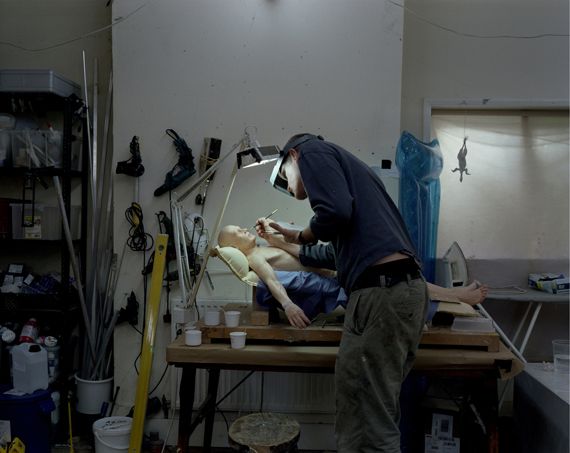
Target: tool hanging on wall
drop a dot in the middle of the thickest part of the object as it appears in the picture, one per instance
(210, 155)
(132, 166)
(462, 159)
(183, 169)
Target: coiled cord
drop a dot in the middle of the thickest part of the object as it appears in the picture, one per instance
(138, 240)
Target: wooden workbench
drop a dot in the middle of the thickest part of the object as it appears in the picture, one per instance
(313, 359)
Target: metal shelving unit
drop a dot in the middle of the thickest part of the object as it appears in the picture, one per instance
(45, 93)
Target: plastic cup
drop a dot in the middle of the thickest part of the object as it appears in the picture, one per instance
(561, 352)
(238, 339)
(232, 318)
(193, 337)
(212, 317)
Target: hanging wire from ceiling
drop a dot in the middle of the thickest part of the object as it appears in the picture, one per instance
(475, 35)
(121, 19)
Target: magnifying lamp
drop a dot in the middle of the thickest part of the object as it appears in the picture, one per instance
(247, 153)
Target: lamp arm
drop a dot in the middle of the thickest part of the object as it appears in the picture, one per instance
(208, 173)
(196, 287)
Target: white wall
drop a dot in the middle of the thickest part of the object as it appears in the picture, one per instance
(442, 65)
(213, 67)
(209, 68)
(35, 25)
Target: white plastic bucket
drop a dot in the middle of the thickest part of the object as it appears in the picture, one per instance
(112, 434)
(92, 394)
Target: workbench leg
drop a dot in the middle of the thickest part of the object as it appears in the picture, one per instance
(213, 381)
(486, 396)
(186, 392)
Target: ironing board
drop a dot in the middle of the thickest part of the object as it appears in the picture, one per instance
(535, 300)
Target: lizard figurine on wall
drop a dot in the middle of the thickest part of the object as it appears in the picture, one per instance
(461, 157)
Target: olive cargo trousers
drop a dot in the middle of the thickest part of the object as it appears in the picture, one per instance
(382, 330)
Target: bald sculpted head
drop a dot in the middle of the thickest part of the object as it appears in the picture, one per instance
(235, 236)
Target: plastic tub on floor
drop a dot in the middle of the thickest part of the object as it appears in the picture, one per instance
(112, 434)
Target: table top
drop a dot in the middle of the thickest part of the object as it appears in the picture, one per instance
(322, 358)
(544, 373)
(530, 295)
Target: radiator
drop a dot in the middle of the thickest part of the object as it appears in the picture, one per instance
(282, 392)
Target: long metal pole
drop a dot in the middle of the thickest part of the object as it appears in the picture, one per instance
(215, 232)
(502, 334)
(178, 231)
(74, 266)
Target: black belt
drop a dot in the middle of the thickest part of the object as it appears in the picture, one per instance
(387, 274)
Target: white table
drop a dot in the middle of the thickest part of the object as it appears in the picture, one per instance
(540, 410)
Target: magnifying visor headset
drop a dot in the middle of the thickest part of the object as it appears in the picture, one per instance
(276, 180)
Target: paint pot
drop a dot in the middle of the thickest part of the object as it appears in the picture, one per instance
(112, 434)
(92, 394)
(192, 337)
(232, 318)
(212, 317)
(237, 339)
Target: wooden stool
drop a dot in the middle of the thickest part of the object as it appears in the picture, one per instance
(264, 433)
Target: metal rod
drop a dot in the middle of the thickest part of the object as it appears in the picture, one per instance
(106, 339)
(530, 326)
(522, 322)
(502, 334)
(215, 232)
(74, 266)
(179, 264)
(267, 217)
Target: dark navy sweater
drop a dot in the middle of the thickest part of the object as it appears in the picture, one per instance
(352, 209)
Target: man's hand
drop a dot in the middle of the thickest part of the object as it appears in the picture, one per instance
(296, 316)
(290, 235)
(263, 229)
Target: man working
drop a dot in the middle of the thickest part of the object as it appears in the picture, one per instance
(296, 270)
(377, 266)
(322, 256)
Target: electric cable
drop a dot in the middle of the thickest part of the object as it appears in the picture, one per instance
(475, 35)
(120, 19)
(137, 330)
(159, 381)
(138, 240)
(225, 419)
(234, 388)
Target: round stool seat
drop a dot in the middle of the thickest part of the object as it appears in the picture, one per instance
(264, 432)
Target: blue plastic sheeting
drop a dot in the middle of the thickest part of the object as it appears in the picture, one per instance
(420, 165)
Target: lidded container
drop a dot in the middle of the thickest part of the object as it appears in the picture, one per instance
(29, 367)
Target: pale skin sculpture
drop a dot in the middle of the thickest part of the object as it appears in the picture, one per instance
(281, 255)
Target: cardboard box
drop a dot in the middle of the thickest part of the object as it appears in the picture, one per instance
(442, 426)
(549, 282)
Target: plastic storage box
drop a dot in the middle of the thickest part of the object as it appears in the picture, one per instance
(47, 222)
(37, 81)
(44, 145)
